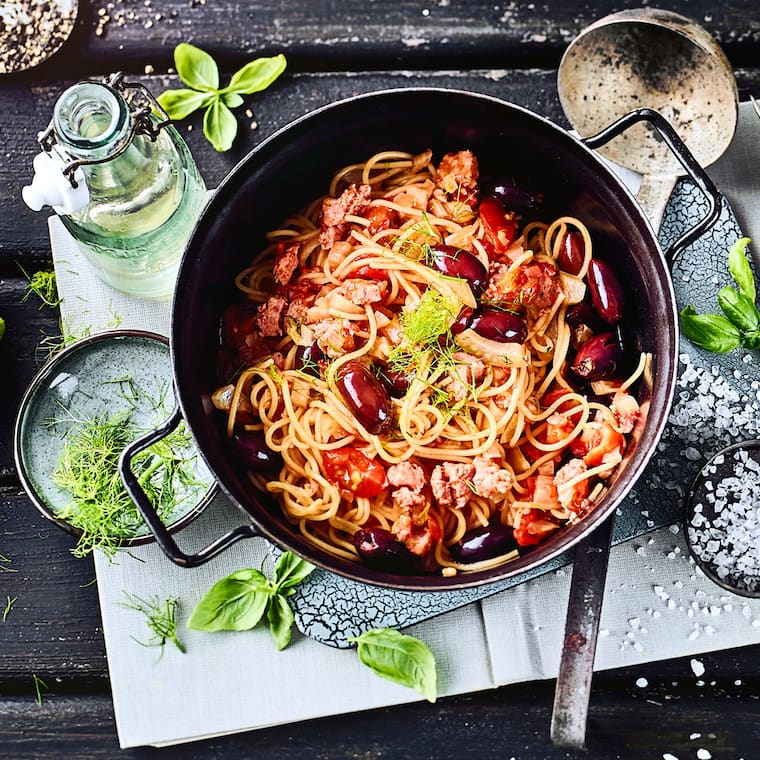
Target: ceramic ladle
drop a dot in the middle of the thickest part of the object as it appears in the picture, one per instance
(637, 60)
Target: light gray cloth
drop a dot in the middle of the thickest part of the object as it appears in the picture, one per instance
(657, 606)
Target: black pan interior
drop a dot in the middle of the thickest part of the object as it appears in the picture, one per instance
(295, 166)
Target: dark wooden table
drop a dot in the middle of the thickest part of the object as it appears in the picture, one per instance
(334, 49)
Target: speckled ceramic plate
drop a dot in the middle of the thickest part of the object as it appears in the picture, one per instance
(125, 372)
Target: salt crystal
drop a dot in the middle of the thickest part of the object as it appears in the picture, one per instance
(642, 683)
(668, 756)
(703, 754)
(697, 668)
(695, 736)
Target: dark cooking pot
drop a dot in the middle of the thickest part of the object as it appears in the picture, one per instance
(294, 166)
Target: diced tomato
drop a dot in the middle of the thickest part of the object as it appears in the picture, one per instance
(597, 442)
(554, 395)
(533, 526)
(351, 470)
(499, 226)
(530, 285)
(380, 218)
(370, 273)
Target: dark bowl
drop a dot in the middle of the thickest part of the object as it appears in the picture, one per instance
(295, 165)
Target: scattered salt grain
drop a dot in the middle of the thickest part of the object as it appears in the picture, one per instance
(642, 683)
(668, 756)
(703, 754)
(695, 736)
(697, 668)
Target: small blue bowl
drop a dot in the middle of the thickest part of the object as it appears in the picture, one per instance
(95, 378)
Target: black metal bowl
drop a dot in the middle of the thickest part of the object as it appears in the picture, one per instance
(295, 165)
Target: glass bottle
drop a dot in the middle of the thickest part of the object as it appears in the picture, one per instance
(143, 190)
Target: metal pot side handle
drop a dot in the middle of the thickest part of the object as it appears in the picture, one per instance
(690, 165)
(148, 511)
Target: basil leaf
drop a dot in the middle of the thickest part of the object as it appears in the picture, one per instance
(290, 570)
(219, 125)
(738, 308)
(235, 603)
(181, 103)
(2, 328)
(232, 100)
(256, 75)
(740, 268)
(281, 619)
(751, 339)
(400, 658)
(712, 332)
(196, 68)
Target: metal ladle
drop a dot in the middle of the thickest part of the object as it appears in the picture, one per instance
(650, 58)
(636, 60)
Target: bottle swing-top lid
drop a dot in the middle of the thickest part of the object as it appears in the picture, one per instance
(58, 179)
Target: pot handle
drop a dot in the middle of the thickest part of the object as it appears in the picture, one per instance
(690, 164)
(149, 513)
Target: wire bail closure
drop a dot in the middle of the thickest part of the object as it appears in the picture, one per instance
(141, 103)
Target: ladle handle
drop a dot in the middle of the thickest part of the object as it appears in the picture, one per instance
(584, 608)
(690, 165)
(150, 515)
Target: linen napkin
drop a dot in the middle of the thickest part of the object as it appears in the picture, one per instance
(657, 606)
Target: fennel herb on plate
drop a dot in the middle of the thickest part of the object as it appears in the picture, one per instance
(88, 470)
(739, 325)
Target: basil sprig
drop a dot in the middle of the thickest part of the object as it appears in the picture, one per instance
(399, 658)
(198, 70)
(240, 601)
(741, 324)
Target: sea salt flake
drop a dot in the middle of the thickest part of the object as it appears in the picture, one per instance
(642, 683)
(697, 668)
(703, 754)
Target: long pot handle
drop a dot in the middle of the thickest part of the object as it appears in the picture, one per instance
(584, 608)
(149, 513)
(690, 165)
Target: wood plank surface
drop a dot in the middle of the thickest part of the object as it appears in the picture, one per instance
(320, 35)
(335, 50)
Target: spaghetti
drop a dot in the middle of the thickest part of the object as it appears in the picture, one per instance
(410, 369)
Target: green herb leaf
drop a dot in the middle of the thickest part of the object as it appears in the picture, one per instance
(281, 619)
(179, 104)
(235, 603)
(2, 328)
(196, 68)
(39, 684)
(219, 125)
(256, 75)
(161, 618)
(400, 658)
(751, 339)
(712, 332)
(290, 570)
(232, 99)
(739, 309)
(740, 269)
